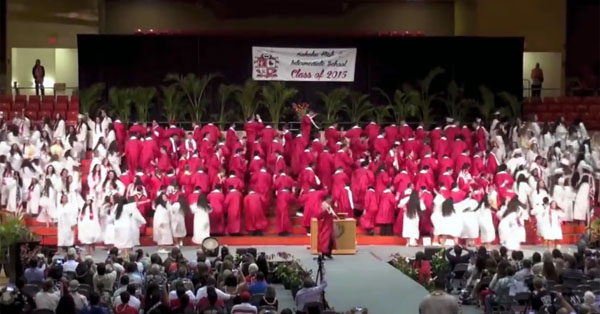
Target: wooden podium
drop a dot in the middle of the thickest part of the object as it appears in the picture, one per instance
(345, 236)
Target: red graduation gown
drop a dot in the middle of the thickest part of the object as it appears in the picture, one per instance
(405, 132)
(236, 182)
(233, 208)
(361, 179)
(284, 199)
(261, 182)
(367, 220)
(343, 203)
(237, 163)
(325, 168)
(311, 201)
(213, 130)
(120, 134)
(307, 179)
(401, 181)
(332, 136)
(200, 179)
(148, 154)
(306, 125)
(165, 164)
(217, 216)
(425, 224)
(387, 209)
(254, 213)
(391, 134)
(283, 181)
(372, 130)
(132, 152)
(491, 164)
(326, 238)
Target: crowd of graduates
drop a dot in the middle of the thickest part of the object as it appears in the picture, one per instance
(448, 182)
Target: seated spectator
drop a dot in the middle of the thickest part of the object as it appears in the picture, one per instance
(95, 307)
(79, 299)
(516, 260)
(71, 262)
(105, 274)
(503, 253)
(423, 267)
(245, 307)
(182, 277)
(66, 305)
(184, 307)
(500, 286)
(15, 301)
(455, 256)
(589, 300)
(522, 279)
(135, 277)
(105, 295)
(124, 307)
(570, 276)
(260, 284)
(175, 295)
(84, 272)
(156, 275)
(124, 282)
(156, 300)
(212, 307)
(263, 265)
(438, 301)
(540, 296)
(310, 292)
(270, 298)
(211, 282)
(252, 271)
(48, 297)
(134, 301)
(537, 265)
(549, 271)
(35, 271)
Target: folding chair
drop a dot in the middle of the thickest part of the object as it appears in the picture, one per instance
(459, 278)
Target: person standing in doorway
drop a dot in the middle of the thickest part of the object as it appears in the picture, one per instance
(38, 73)
(537, 78)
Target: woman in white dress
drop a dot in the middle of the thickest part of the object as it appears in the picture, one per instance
(107, 222)
(201, 219)
(162, 233)
(88, 226)
(114, 158)
(33, 199)
(10, 189)
(16, 157)
(538, 194)
(523, 189)
(112, 185)
(540, 212)
(59, 127)
(485, 220)
(553, 215)
(127, 226)
(581, 208)
(450, 224)
(436, 217)
(410, 224)
(94, 180)
(511, 228)
(470, 223)
(47, 203)
(100, 149)
(99, 131)
(66, 221)
(177, 213)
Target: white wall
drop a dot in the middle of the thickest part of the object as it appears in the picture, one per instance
(551, 64)
(60, 64)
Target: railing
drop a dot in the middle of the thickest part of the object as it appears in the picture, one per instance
(57, 87)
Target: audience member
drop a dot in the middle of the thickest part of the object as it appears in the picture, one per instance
(79, 299)
(245, 307)
(48, 297)
(310, 292)
(70, 265)
(260, 284)
(66, 305)
(270, 298)
(438, 301)
(124, 307)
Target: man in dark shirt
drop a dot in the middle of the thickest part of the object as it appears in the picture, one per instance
(455, 256)
(38, 73)
(571, 277)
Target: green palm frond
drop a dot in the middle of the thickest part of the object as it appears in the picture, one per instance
(89, 98)
(172, 101)
(275, 95)
(359, 107)
(488, 103)
(512, 110)
(142, 99)
(120, 100)
(333, 102)
(195, 88)
(226, 92)
(247, 98)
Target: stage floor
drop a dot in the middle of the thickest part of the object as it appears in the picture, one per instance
(364, 279)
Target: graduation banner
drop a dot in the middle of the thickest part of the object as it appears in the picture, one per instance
(303, 64)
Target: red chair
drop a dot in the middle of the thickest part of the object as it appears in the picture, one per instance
(61, 106)
(33, 104)
(18, 105)
(44, 114)
(555, 107)
(582, 107)
(4, 105)
(22, 98)
(32, 114)
(545, 116)
(8, 98)
(47, 106)
(74, 105)
(62, 98)
(72, 116)
(549, 100)
(48, 98)
(572, 115)
(541, 107)
(591, 100)
(13, 114)
(62, 114)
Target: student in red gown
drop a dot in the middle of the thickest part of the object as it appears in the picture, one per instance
(283, 181)
(367, 220)
(120, 133)
(311, 200)
(217, 216)
(148, 153)
(386, 211)
(343, 201)
(326, 238)
(233, 208)
(284, 198)
(254, 213)
(307, 178)
(132, 153)
(307, 123)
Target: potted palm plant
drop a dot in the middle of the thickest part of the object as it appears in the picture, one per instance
(172, 103)
(275, 95)
(247, 98)
(142, 98)
(89, 98)
(333, 102)
(195, 89)
(13, 233)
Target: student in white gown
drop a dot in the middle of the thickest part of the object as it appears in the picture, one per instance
(485, 220)
(162, 233)
(201, 211)
(177, 213)
(98, 131)
(16, 157)
(94, 180)
(581, 207)
(523, 189)
(410, 224)
(47, 203)
(11, 187)
(112, 185)
(59, 127)
(538, 194)
(66, 221)
(511, 228)
(88, 226)
(127, 226)
(34, 191)
(450, 224)
(436, 217)
(114, 157)
(100, 150)
(107, 221)
(470, 223)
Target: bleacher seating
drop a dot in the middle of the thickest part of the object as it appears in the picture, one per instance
(572, 108)
(36, 108)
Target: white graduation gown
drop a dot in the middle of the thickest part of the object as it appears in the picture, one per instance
(127, 227)
(66, 219)
(410, 226)
(486, 224)
(201, 223)
(59, 131)
(470, 223)
(33, 202)
(88, 226)
(511, 230)
(581, 208)
(107, 224)
(177, 220)
(542, 224)
(161, 229)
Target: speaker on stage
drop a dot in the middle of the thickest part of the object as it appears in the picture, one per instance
(430, 251)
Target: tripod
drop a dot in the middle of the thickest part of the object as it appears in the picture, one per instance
(319, 279)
